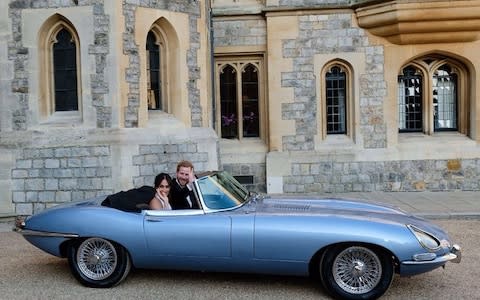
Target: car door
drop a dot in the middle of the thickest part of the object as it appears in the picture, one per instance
(188, 233)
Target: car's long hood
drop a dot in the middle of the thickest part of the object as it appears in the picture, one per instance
(342, 208)
(308, 205)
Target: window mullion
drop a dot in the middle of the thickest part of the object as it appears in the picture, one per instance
(428, 105)
(239, 102)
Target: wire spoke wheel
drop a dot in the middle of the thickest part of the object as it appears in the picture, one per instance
(97, 258)
(357, 270)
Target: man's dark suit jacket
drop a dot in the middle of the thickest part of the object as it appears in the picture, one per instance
(178, 196)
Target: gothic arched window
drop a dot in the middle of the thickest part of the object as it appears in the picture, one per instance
(336, 100)
(65, 71)
(429, 97)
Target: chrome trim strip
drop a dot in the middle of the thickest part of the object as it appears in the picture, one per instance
(441, 259)
(175, 212)
(46, 234)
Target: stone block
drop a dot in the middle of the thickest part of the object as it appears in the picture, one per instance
(46, 196)
(32, 197)
(146, 170)
(34, 184)
(24, 209)
(52, 163)
(67, 183)
(38, 207)
(104, 172)
(19, 174)
(74, 162)
(63, 196)
(62, 173)
(90, 162)
(63, 152)
(51, 184)
(19, 197)
(24, 163)
(38, 163)
(78, 195)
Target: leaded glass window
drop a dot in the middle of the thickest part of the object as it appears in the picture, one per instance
(336, 101)
(410, 98)
(228, 102)
(429, 98)
(445, 98)
(65, 72)
(250, 101)
(239, 94)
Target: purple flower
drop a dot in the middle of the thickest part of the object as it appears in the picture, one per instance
(228, 120)
(250, 117)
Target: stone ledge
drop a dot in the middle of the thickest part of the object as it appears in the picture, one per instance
(403, 22)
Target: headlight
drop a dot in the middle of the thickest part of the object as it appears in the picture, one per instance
(426, 239)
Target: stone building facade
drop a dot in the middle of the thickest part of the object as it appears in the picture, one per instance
(289, 96)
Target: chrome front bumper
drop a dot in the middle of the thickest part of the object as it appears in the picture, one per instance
(456, 250)
(424, 263)
(455, 256)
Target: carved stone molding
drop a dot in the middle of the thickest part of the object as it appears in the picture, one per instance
(419, 22)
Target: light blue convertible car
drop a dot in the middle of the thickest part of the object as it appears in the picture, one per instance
(353, 248)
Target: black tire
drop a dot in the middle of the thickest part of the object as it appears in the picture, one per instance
(98, 263)
(356, 272)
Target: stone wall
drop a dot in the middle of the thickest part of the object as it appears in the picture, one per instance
(257, 171)
(131, 49)
(391, 176)
(154, 159)
(239, 32)
(19, 54)
(244, 33)
(48, 163)
(324, 34)
(43, 177)
(50, 173)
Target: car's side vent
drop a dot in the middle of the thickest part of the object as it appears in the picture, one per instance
(292, 207)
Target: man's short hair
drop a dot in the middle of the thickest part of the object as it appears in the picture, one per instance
(185, 164)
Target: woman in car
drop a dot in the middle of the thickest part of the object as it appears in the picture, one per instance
(163, 183)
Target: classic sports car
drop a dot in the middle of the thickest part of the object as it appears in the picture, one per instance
(353, 248)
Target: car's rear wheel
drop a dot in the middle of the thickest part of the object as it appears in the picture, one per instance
(356, 272)
(99, 263)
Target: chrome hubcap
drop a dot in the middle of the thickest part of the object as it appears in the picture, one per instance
(96, 258)
(357, 270)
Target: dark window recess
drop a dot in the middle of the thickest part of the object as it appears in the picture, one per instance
(228, 103)
(336, 101)
(410, 110)
(65, 72)
(244, 179)
(154, 80)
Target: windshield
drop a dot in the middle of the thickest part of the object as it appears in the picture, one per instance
(221, 191)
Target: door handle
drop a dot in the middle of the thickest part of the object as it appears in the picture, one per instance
(154, 220)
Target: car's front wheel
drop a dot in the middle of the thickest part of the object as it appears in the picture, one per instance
(99, 263)
(356, 272)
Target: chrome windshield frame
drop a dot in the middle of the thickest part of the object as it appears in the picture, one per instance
(200, 196)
